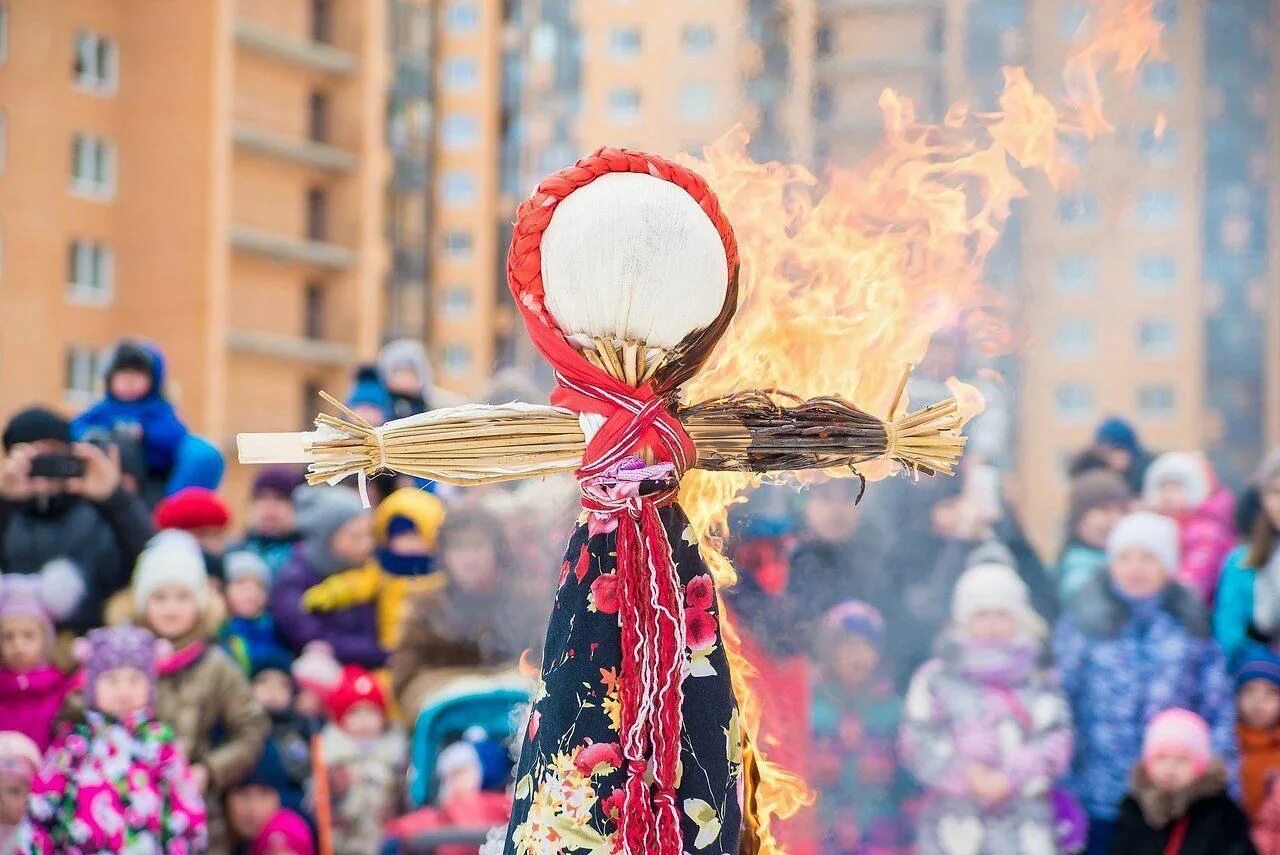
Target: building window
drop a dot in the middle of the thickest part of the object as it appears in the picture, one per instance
(1076, 339)
(93, 166)
(1159, 150)
(313, 310)
(457, 358)
(81, 374)
(697, 39)
(1157, 337)
(96, 62)
(318, 117)
(317, 214)
(311, 399)
(1158, 210)
(321, 21)
(624, 105)
(1157, 273)
(1157, 401)
(461, 73)
(457, 244)
(4, 32)
(1077, 274)
(1078, 210)
(1074, 401)
(824, 103)
(695, 102)
(824, 41)
(1159, 78)
(624, 42)
(459, 131)
(461, 16)
(90, 270)
(458, 187)
(456, 302)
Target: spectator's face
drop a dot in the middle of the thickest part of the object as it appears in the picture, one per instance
(172, 612)
(307, 703)
(462, 780)
(1095, 526)
(409, 543)
(353, 542)
(249, 809)
(1271, 501)
(246, 597)
(1118, 459)
(1139, 573)
(831, 514)
(121, 692)
(1259, 702)
(947, 517)
(212, 540)
(271, 515)
(364, 721)
(130, 384)
(1171, 498)
(1171, 772)
(24, 645)
(273, 690)
(854, 661)
(991, 625)
(13, 799)
(470, 561)
(404, 380)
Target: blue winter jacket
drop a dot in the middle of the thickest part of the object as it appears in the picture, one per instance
(1233, 605)
(153, 416)
(1120, 668)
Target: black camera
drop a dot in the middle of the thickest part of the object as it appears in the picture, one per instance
(58, 467)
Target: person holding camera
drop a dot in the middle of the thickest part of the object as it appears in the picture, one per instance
(66, 500)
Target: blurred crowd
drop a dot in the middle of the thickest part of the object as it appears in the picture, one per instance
(317, 676)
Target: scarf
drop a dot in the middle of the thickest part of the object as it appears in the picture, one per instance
(998, 663)
(405, 565)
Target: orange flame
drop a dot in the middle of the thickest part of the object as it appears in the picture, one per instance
(845, 280)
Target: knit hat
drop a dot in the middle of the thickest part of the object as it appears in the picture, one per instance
(367, 391)
(193, 508)
(19, 756)
(1095, 488)
(1261, 665)
(321, 511)
(1155, 533)
(172, 557)
(111, 647)
(242, 563)
(279, 480)
(286, 831)
(36, 424)
(1118, 433)
(994, 587)
(356, 685)
(409, 509)
(857, 618)
(316, 670)
(49, 596)
(1189, 469)
(1181, 732)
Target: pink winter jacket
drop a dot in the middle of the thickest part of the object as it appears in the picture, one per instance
(30, 702)
(1207, 535)
(111, 786)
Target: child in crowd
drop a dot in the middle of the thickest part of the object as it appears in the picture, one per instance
(1099, 500)
(315, 673)
(337, 535)
(1180, 486)
(1178, 801)
(368, 398)
(985, 728)
(254, 801)
(31, 688)
(118, 780)
(1131, 644)
(364, 755)
(406, 374)
(201, 512)
(271, 531)
(405, 526)
(286, 833)
(249, 634)
(19, 761)
(201, 691)
(1247, 611)
(291, 732)
(855, 713)
(1258, 728)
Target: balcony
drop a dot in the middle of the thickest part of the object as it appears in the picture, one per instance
(885, 66)
(290, 347)
(409, 175)
(285, 248)
(302, 152)
(905, 6)
(306, 54)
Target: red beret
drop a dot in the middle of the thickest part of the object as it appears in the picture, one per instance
(192, 508)
(355, 686)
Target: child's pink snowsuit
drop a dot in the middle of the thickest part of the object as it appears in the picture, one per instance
(29, 702)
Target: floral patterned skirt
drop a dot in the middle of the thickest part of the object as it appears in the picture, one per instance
(570, 776)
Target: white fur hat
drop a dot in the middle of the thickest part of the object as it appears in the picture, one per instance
(1155, 533)
(994, 587)
(172, 557)
(1190, 469)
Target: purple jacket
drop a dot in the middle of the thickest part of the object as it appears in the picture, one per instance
(353, 632)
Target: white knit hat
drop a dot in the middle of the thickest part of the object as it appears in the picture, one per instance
(172, 557)
(1190, 469)
(994, 587)
(1155, 533)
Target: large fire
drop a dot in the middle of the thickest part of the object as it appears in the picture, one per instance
(846, 278)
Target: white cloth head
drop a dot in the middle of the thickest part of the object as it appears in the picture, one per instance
(1187, 468)
(1155, 533)
(632, 257)
(172, 557)
(998, 588)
